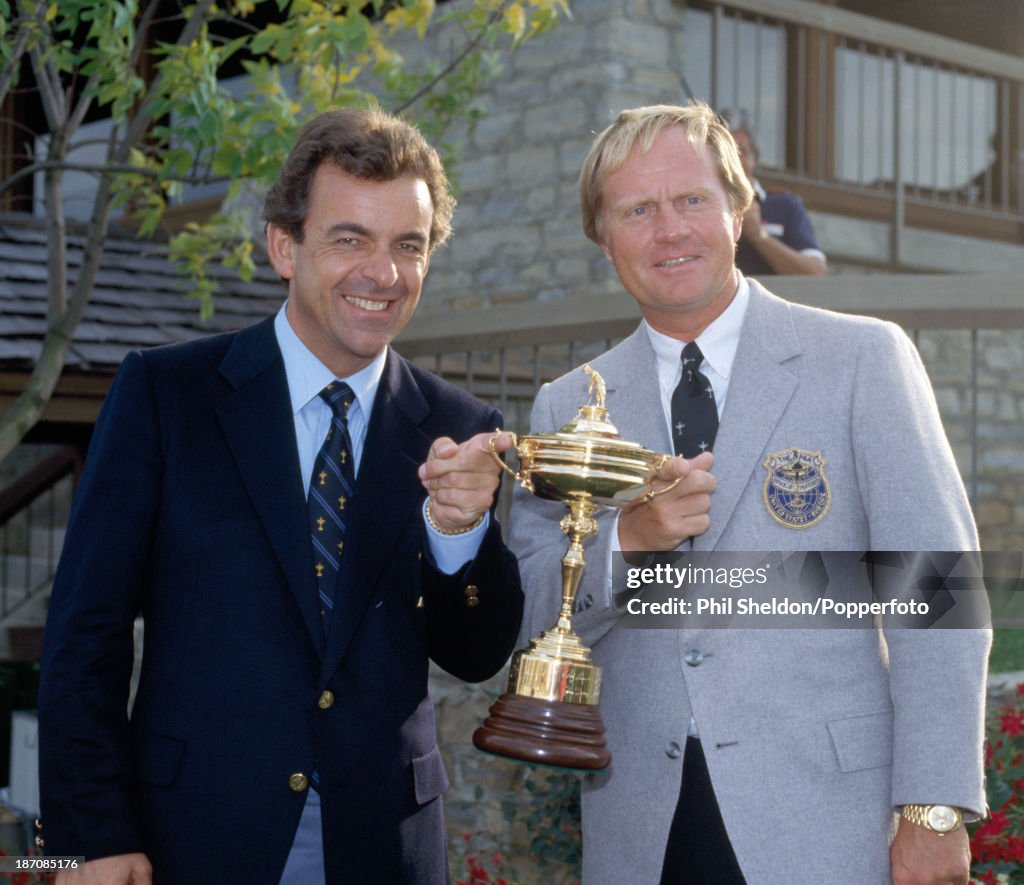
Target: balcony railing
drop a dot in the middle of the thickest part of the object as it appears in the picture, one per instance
(33, 515)
(868, 118)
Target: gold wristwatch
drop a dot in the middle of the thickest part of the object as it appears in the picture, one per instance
(939, 819)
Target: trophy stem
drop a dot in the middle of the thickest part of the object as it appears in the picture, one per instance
(578, 525)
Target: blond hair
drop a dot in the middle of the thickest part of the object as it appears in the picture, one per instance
(641, 126)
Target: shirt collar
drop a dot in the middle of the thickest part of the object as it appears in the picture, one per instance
(307, 376)
(759, 190)
(718, 342)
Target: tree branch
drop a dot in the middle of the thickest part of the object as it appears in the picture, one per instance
(47, 79)
(492, 18)
(137, 126)
(85, 95)
(20, 45)
(56, 238)
(116, 168)
(145, 20)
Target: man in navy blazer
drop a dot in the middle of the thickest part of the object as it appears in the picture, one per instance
(270, 739)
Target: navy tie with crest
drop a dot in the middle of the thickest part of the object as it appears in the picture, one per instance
(694, 413)
(330, 495)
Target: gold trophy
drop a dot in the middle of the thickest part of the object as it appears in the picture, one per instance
(549, 714)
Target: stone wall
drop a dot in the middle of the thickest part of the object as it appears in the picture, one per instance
(999, 500)
(518, 234)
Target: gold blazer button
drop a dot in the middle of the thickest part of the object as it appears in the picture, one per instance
(326, 700)
(298, 782)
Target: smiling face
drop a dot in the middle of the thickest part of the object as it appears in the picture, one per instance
(667, 226)
(355, 279)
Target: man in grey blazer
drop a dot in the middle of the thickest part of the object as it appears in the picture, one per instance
(760, 755)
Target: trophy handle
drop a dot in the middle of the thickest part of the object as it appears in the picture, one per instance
(651, 493)
(496, 456)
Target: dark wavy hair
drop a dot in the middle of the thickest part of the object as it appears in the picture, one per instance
(368, 143)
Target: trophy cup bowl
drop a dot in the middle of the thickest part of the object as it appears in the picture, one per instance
(549, 714)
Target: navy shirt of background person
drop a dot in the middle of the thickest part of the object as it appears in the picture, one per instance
(784, 217)
(776, 235)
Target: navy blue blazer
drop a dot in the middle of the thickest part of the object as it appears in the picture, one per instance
(191, 510)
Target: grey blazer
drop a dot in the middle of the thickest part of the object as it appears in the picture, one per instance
(811, 735)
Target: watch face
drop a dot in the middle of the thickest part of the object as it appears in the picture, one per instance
(941, 818)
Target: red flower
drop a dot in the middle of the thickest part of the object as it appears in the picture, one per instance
(994, 825)
(1011, 723)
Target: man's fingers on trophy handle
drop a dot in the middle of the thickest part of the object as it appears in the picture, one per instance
(652, 493)
(494, 454)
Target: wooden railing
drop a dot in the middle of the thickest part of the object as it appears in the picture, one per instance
(865, 117)
(33, 514)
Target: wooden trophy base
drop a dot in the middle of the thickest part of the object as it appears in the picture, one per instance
(545, 732)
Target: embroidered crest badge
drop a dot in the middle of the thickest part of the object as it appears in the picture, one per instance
(796, 490)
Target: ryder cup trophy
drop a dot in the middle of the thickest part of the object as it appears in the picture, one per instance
(549, 714)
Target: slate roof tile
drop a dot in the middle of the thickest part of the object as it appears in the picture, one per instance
(138, 300)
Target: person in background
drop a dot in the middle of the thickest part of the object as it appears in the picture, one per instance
(777, 236)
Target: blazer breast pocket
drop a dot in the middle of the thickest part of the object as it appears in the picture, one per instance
(430, 779)
(158, 758)
(863, 741)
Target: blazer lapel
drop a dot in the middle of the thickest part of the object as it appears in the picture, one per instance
(387, 495)
(258, 424)
(759, 391)
(634, 406)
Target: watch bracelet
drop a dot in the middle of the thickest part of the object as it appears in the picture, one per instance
(917, 813)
